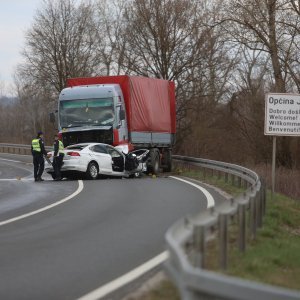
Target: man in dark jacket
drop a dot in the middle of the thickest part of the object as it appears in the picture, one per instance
(38, 151)
(58, 157)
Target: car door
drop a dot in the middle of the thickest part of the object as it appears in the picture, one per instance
(103, 158)
(118, 161)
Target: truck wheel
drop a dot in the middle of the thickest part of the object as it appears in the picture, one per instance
(155, 162)
(167, 167)
(92, 171)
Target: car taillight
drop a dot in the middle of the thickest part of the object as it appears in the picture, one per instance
(73, 153)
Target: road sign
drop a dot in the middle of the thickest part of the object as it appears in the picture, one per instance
(282, 114)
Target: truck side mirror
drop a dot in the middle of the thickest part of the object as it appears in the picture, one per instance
(52, 117)
(122, 114)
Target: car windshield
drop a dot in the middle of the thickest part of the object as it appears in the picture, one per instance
(83, 112)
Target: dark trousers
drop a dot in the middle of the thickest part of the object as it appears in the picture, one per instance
(38, 165)
(57, 164)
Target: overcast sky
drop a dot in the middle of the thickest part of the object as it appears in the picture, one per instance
(15, 17)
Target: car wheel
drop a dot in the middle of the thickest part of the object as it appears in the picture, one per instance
(92, 171)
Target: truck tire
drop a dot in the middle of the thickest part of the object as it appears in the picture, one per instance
(92, 171)
(154, 162)
(167, 167)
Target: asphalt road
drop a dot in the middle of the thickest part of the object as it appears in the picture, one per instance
(109, 228)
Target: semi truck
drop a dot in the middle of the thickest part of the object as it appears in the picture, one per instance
(136, 112)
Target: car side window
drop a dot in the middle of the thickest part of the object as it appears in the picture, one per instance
(99, 149)
(113, 152)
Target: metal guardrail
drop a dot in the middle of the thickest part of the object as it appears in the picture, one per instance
(187, 240)
(18, 149)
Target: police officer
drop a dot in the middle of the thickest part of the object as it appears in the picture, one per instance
(38, 150)
(58, 157)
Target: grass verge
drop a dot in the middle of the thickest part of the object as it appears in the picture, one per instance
(274, 256)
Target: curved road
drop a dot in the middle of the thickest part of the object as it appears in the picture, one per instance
(111, 227)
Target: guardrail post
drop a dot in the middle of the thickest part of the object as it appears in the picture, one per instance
(199, 241)
(223, 240)
(264, 196)
(242, 227)
(252, 219)
(232, 179)
(226, 177)
(239, 182)
(259, 209)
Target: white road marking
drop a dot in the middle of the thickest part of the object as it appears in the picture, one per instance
(17, 161)
(126, 278)
(14, 154)
(209, 197)
(79, 189)
(27, 178)
(15, 179)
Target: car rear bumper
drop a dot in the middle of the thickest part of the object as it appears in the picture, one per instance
(68, 165)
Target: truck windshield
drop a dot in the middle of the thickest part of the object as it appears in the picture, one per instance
(92, 112)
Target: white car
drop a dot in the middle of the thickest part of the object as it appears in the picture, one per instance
(93, 159)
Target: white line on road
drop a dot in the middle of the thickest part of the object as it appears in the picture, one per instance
(79, 189)
(209, 197)
(125, 279)
(16, 179)
(17, 161)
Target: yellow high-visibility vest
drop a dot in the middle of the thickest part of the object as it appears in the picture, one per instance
(61, 147)
(36, 145)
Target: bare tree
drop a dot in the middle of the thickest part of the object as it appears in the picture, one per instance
(164, 37)
(246, 106)
(261, 25)
(254, 23)
(110, 41)
(33, 107)
(60, 43)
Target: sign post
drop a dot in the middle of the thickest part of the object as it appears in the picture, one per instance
(273, 167)
(282, 118)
